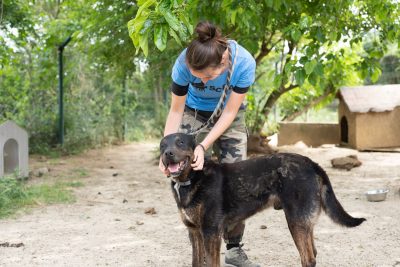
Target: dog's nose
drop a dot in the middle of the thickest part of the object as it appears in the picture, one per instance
(169, 153)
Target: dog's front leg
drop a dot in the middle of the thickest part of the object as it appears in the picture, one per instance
(196, 240)
(212, 246)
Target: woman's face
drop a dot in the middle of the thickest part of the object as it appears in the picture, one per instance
(211, 73)
(208, 74)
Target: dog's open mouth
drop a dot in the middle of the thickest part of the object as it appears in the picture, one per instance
(176, 168)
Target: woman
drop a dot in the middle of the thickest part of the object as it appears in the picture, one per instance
(199, 76)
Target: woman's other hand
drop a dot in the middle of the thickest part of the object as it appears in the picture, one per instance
(198, 161)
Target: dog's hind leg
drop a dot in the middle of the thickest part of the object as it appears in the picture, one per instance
(197, 248)
(302, 233)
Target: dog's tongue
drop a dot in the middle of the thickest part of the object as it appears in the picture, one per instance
(173, 167)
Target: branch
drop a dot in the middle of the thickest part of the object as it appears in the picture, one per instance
(259, 75)
(264, 49)
(311, 104)
(287, 89)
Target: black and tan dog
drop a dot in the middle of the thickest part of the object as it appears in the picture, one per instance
(226, 193)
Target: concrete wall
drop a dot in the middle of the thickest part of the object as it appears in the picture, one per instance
(312, 134)
(378, 130)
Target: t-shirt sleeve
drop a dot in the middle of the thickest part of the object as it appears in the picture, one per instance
(247, 77)
(180, 72)
(179, 90)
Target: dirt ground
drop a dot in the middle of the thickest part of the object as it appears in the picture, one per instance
(108, 226)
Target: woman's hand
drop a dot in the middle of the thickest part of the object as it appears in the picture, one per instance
(163, 168)
(198, 161)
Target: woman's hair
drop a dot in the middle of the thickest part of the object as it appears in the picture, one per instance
(207, 49)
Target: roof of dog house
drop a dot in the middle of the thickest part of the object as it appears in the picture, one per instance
(371, 98)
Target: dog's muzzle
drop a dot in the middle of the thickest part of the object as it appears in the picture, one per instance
(176, 168)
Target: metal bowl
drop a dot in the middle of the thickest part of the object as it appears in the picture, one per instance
(377, 194)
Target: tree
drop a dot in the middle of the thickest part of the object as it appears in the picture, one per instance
(99, 66)
(304, 41)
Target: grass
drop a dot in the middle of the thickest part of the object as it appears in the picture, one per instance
(17, 194)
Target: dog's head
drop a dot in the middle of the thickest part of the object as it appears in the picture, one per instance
(177, 153)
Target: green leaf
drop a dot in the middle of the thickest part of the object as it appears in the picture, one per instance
(332, 35)
(313, 79)
(233, 16)
(319, 69)
(189, 26)
(183, 33)
(146, 26)
(172, 20)
(295, 34)
(160, 36)
(309, 66)
(144, 43)
(175, 36)
(288, 67)
(376, 73)
(303, 60)
(145, 5)
(134, 27)
(305, 21)
(300, 76)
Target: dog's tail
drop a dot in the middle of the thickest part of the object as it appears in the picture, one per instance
(331, 205)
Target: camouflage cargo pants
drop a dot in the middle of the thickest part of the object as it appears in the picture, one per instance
(230, 147)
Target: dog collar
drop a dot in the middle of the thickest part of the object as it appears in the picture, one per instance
(178, 185)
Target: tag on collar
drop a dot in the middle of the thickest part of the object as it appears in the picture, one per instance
(176, 187)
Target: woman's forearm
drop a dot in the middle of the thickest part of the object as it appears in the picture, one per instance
(175, 114)
(219, 128)
(173, 121)
(226, 119)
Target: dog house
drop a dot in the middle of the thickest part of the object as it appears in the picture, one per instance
(13, 150)
(369, 116)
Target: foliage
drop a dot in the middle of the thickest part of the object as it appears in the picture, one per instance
(105, 93)
(304, 40)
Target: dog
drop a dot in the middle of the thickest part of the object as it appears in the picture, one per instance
(222, 194)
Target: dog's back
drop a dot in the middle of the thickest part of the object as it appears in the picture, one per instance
(294, 181)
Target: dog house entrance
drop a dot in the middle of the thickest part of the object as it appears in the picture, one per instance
(11, 162)
(344, 130)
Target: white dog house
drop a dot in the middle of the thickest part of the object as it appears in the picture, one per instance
(13, 150)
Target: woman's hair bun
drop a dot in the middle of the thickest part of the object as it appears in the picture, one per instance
(207, 31)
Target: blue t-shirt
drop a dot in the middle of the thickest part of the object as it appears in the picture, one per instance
(206, 96)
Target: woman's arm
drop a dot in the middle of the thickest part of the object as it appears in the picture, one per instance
(228, 115)
(175, 114)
